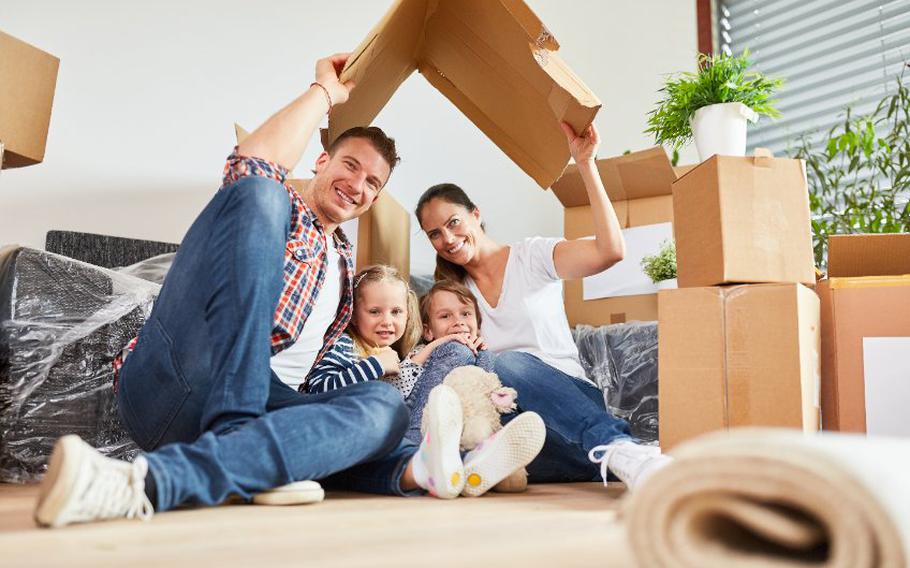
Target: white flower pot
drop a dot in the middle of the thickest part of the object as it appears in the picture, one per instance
(667, 284)
(721, 129)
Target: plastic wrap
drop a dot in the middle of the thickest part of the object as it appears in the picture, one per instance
(152, 269)
(61, 324)
(622, 359)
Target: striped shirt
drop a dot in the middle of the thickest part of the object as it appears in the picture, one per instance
(341, 367)
(305, 264)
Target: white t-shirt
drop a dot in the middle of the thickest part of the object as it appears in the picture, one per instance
(293, 364)
(530, 315)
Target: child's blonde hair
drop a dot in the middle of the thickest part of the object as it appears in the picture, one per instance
(412, 327)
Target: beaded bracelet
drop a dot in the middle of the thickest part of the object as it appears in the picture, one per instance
(328, 98)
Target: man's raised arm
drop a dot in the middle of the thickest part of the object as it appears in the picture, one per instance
(284, 136)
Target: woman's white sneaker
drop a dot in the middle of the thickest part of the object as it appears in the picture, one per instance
(81, 486)
(632, 463)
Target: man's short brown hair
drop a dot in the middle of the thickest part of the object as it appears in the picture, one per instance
(375, 135)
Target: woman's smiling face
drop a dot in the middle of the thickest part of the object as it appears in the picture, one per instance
(452, 230)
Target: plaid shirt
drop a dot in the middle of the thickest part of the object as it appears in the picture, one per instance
(305, 263)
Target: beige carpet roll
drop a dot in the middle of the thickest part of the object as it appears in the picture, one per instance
(768, 497)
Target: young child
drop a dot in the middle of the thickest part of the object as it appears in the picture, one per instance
(450, 315)
(384, 326)
(383, 329)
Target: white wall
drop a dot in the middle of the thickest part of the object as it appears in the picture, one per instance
(148, 92)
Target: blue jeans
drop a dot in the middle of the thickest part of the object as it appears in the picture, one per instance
(198, 393)
(572, 410)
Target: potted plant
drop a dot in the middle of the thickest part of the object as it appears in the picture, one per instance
(661, 267)
(712, 105)
(859, 173)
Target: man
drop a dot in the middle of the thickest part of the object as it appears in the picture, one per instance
(262, 281)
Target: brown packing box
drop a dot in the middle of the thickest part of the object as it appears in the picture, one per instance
(28, 77)
(638, 185)
(743, 220)
(493, 59)
(737, 356)
(866, 294)
(383, 233)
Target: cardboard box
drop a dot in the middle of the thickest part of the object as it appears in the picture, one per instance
(638, 185)
(866, 295)
(28, 78)
(493, 59)
(382, 235)
(743, 220)
(737, 356)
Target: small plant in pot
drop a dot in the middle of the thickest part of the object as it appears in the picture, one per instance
(661, 267)
(712, 105)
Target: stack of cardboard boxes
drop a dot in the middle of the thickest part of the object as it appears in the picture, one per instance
(739, 339)
(639, 185)
(28, 78)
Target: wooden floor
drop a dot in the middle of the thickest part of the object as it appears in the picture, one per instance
(553, 525)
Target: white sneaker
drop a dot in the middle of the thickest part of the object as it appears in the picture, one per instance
(297, 493)
(81, 485)
(437, 464)
(503, 453)
(632, 463)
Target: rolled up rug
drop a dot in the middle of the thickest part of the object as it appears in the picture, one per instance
(771, 497)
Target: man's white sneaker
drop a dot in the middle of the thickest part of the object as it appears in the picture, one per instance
(437, 465)
(81, 485)
(297, 493)
(503, 453)
(632, 463)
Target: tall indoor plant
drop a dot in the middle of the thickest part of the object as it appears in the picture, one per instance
(712, 105)
(859, 174)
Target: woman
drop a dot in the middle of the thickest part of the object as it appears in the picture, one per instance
(519, 290)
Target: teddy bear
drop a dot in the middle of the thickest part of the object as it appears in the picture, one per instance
(483, 400)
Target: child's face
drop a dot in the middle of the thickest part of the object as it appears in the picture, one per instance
(448, 315)
(381, 312)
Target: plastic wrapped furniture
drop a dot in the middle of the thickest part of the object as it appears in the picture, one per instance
(104, 250)
(622, 359)
(61, 324)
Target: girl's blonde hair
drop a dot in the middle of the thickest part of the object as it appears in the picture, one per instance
(412, 327)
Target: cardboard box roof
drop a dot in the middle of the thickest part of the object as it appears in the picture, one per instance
(28, 78)
(869, 255)
(493, 59)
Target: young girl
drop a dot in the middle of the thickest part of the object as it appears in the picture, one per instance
(383, 327)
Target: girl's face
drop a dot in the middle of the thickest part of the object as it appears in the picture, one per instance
(381, 312)
(452, 229)
(448, 315)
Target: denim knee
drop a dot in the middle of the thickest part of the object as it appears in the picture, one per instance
(452, 354)
(264, 201)
(513, 366)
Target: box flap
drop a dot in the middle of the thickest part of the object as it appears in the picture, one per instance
(493, 60)
(380, 64)
(28, 79)
(646, 173)
(869, 255)
(241, 133)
